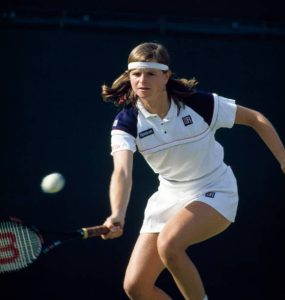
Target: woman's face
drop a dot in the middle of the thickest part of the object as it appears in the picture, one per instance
(148, 83)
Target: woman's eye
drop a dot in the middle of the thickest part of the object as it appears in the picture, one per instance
(139, 74)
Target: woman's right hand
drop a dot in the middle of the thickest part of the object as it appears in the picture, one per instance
(116, 228)
(120, 189)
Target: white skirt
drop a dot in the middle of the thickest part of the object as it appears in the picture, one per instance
(218, 189)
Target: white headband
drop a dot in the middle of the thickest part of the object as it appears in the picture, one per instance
(148, 65)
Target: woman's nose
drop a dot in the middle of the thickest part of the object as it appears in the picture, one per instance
(143, 77)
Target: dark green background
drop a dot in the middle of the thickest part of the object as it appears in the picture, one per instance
(53, 119)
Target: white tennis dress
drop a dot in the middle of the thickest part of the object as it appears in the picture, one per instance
(183, 151)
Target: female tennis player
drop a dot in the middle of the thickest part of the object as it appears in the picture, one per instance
(173, 124)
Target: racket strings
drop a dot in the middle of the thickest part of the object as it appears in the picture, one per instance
(19, 246)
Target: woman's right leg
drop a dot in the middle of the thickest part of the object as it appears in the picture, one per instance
(143, 270)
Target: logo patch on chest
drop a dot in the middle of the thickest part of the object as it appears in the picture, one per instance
(146, 133)
(187, 120)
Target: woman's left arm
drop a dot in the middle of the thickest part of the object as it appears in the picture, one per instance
(263, 127)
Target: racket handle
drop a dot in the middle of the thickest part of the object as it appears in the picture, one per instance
(89, 232)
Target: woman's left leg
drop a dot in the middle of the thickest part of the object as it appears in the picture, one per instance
(193, 224)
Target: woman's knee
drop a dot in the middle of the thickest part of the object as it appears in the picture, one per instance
(130, 286)
(169, 249)
(134, 288)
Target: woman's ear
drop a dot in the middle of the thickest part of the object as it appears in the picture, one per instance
(168, 75)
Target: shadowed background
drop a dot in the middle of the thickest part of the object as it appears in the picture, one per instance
(54, 57)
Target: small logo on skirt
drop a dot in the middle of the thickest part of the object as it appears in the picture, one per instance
(210, 194)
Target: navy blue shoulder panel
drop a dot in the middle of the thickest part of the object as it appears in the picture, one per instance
(126, 120)
(203, 104)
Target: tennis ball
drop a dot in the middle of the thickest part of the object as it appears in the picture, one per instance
(52, 183)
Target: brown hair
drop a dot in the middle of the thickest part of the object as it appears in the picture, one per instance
(121, 92)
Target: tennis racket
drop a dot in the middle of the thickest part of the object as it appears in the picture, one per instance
(22, 244)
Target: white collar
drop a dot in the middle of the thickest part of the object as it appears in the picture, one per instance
(172, 112)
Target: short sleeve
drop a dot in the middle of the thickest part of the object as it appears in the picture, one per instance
(121, 140)
(225, 112)
(126, 120)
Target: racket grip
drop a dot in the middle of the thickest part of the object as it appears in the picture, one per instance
(89, 232)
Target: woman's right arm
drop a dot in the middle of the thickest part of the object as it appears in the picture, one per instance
(119, 192)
